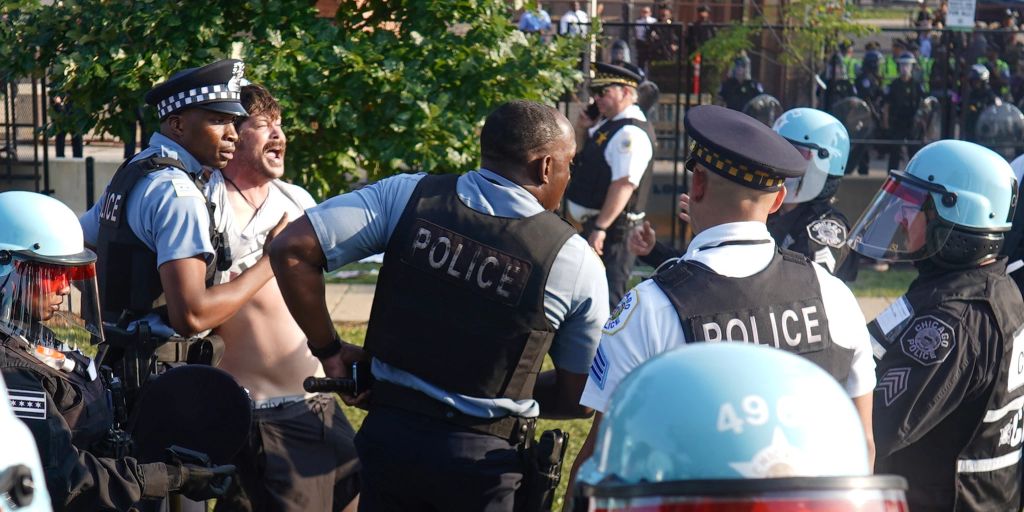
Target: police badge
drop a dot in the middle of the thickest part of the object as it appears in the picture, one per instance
(236, 82)
(928, 340)
(828, 232)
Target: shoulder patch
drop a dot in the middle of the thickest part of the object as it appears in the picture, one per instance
(928, 340)
(892, 384)
(1015, 379)
(183, 187)
(627, 142)
(828, 232)
(28, 405)
(620, 315)
(599, 368)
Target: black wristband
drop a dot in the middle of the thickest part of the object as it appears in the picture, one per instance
(329, 350)
(596, 228)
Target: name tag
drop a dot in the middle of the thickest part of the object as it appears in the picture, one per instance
(466, 262)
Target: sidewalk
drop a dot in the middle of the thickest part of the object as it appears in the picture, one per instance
(350, 303)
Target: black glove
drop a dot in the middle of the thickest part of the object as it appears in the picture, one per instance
(200, 483)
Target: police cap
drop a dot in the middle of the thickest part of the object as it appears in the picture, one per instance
(216, 87)
(741, 148)
(604, 75)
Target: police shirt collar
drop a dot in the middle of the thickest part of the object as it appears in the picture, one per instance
(522, 202)
(169, 148)
(729, 232)
(631, 112)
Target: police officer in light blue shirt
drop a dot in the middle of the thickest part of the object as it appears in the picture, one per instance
(152, 228)
(479, 281)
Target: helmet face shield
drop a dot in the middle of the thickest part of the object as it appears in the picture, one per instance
(49, 304)
(808, 186)
(902, 222)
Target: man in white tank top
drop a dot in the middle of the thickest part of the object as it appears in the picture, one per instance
(300, 455)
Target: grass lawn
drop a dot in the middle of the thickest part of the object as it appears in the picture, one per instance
(577, 429)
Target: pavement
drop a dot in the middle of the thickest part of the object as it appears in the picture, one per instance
(350, 303)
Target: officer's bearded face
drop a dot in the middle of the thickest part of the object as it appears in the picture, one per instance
(261, 145)
(208, 135)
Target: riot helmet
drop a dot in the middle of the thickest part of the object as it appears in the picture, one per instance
(620, 52)
(872, 62)
(952, 206)
(978, 75)
(48, 292)
(768, 431)
(905, 64)
(741, 67)
(824, 143)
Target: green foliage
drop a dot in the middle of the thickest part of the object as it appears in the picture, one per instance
(728, 42)
(387, 86)
(814, 27)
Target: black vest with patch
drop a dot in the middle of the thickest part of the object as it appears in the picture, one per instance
(779, 307)
(811, 227)
(126, 271)
(988, 469)
(592, 175)
(460, 298)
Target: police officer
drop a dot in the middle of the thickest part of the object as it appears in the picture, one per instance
(458, 387)
(808, 221)
(837, 82)
(609, 192)
(737, 90)
(869, 88)
(902, 99)
(152, 228)
(53, 387)
(732, 443)
(979, 96)
(950, 387)
(734, 282)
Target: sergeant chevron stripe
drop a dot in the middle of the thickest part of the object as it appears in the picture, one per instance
(893, 384)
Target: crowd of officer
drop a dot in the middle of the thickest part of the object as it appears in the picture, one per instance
(930, 390)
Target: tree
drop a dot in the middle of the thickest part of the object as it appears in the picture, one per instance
(386, 86)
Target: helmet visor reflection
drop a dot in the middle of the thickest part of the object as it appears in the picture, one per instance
(896, 225)
(50, 304)
(812, 501)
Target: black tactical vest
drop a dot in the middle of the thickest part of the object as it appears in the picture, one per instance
(811, 227)
(592, 175)
(126, 270)
(988, 470)
(779, 307)
(460, 298)
(82, 400)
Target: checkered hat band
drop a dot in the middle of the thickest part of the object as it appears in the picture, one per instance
(195, 96)
(743, 174)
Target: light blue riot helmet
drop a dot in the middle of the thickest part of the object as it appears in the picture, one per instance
(824, 143)
(905, 65)
(952, 205)
(48, 292)
(733, 427)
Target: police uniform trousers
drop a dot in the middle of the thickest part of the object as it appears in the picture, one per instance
(618, 261)
(300, 457)
(412, 462)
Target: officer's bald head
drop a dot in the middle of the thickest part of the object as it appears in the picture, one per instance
(519, 131)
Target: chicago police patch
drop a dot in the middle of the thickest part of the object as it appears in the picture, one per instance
(620, 315)
(828, 232)
(928, 340)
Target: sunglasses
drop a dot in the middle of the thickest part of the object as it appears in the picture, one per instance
(598, 92)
